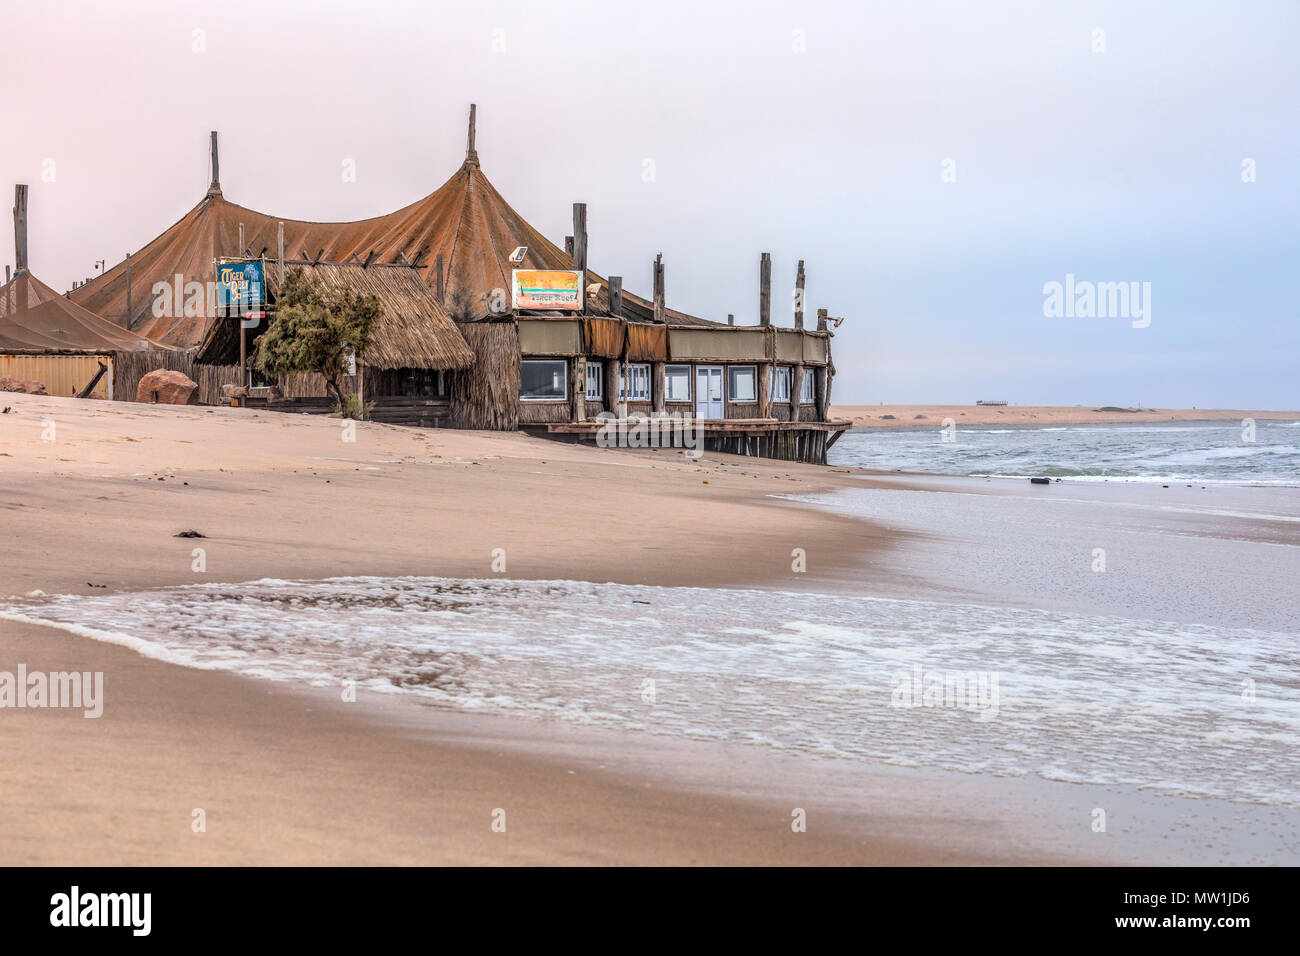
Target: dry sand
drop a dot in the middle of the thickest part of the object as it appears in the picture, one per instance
(904, 416)
(290, 776)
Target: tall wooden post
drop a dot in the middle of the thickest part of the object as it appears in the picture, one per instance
(471, 154)
(616, 296)
(660, 309)
(798, 296)
(612, 376)
(442, 280)
(128, 290)
(6, 273)
(796, 391)
(20, 229)
(731, 318)
(580, 238)
(765, 290)
(215, 188)
(579, 402)
(821, 320)
(242, 248)
(280, 254)
(822, 393)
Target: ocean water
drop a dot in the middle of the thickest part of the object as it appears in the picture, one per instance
(1174, 708)
(1182, 451)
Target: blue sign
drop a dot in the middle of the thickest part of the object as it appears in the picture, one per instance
(239, 285)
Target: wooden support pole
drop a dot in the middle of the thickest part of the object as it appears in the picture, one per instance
(578, 400)
(471, 154)
(612, 377)
(243, 251)
(280, 245)
(798, 296)
(6, 273)
(616, 296)
(660, 309)
(659, 386)
(731, 318)
(821, 320)
(823, 405)
(20, 229)
(128, 290)
(765, 289)
(442, 280)
(216, 168)
(580, 239)
(796, 391)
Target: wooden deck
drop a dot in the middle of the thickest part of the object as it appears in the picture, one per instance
(756, 437)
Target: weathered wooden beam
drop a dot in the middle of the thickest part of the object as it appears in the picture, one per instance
(796, 391)
(243, 250)
(580, 238)
(216, 167)
(616, 296)
(821, 320)
(20, 229)
(659, 386)
(731, 318)
(578, 402)
(442, 280)
(128, 290)
(280, 239)
(765, 289)
(660, 309)
(471, 154)
(798, 296)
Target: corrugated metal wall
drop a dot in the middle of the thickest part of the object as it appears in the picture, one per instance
(62, 375)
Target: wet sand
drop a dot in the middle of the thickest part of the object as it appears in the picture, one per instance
(293, 775)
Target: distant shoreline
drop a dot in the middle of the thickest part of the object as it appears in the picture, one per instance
(921, 416)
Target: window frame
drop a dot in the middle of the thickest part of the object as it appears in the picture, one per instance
(753, 370)
(690, 383)
(549, 361)
(598, 378)
(782, 374)
(625, 376)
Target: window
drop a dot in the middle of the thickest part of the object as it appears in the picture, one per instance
(781, 384)
(595, 381)
(742, 383)
(636, 383)
(677, 381)
(808, 393)
(543, 381)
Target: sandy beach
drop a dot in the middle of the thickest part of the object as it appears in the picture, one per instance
(913, 416)
(292, 774)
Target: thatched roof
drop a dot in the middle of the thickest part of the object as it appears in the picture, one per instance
(465, 219)
(412, 331)
(33, 317)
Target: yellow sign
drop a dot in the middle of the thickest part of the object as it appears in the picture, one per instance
(547, 289)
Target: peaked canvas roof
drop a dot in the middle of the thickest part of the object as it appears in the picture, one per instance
(465, 219)
(33, 317)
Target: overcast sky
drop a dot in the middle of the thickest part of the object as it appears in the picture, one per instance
(713, 132)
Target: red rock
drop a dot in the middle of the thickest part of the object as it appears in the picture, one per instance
(167, 387)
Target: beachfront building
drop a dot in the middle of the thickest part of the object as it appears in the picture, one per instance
(47, 338)
(556, 348)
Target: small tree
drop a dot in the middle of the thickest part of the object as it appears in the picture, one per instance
(315, 329)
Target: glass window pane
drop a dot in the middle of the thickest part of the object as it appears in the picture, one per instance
(677, 379)
(741, 383)
(542, 380)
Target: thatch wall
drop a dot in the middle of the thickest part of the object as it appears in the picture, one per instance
(538, 413)
(486, 395)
